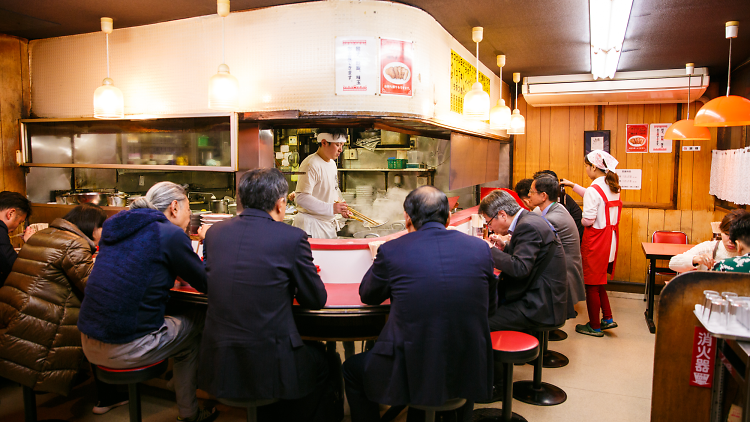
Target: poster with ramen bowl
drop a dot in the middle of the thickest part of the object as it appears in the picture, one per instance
(636, 138)
(396, 58)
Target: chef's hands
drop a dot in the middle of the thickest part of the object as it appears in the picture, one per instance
(341, 208)
(704, 259)
(566, 182)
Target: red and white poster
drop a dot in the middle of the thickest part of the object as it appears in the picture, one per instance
(704, 353)
(396, 58)
(636, 138)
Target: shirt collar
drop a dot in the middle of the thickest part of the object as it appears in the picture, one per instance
(515, 220)
(546, 210)
(432, 225)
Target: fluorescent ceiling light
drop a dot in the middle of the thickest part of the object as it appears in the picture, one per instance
(608, 20)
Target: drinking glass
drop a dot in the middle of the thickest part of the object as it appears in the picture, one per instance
(727, 295)
(716, 313)
(710, 296)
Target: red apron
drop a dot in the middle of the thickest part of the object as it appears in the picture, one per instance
(597, 244)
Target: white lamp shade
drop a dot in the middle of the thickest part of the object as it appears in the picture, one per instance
(108, 101)
(223, 91)
(477, 103)
(500, 116)
(517, 124)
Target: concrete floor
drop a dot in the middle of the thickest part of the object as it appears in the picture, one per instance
(608, 379)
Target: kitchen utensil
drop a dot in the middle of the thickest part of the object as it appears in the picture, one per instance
(368, 222)
(220, 206)
(118, 199)
(374, 233)
(94, 198)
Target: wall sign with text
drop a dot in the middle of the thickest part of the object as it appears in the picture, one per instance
(636, 138)
(704, 351)
(463, 76)
(630, 179)
(656, 141)
(356, 66)
(396, 58)
(595, 139)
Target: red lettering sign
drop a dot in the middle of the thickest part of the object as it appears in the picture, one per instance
(704, 353)
(396, 67)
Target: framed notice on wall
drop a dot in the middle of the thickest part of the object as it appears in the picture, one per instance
(356, 66)
(636, 138)
(396, 58)
(656, 141)
(595, 139)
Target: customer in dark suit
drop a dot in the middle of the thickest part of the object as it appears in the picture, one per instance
(533, 286)
(567, 201)
(256, 267)
(436, 344)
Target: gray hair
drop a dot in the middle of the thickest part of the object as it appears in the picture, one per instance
(497, 201)
(160, 196)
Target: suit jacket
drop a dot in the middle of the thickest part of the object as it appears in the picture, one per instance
(575, 212)
(542, 292)
(436, 343)
(251, 348)
(567, 231)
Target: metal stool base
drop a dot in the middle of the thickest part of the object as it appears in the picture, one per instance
(557, 335)
(553, 359)
(546, 395)
(489, 414)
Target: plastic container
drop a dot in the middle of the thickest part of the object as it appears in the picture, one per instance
(395, 163)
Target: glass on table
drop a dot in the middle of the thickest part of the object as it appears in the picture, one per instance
(710, 296)
(716, 313)
(744, 314)
(732, 310)
(727, 295)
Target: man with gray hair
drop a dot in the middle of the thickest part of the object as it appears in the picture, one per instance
(533, 287)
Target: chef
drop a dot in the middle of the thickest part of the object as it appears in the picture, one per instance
(317, 194)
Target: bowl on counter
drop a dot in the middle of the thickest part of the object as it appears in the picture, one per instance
(94, 198)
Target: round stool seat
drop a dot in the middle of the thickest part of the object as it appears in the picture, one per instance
(514, 347)
(246, 402)
(131, 375)
(451, 404)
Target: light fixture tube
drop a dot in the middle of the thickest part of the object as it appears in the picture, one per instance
(608, 21)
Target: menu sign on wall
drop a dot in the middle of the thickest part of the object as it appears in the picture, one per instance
(636, 138)
(396, 58)
(356, 66)
(656, 141)
(463, 76)
(630, 179)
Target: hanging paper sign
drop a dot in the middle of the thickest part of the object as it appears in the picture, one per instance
(463, 76)
(356, 66)
(704, 352)
(656, 141)
(396, 58)
(636, 138)
(630, 179)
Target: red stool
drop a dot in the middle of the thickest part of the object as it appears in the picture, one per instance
(508, 347)
(537, 392)
(131, 377)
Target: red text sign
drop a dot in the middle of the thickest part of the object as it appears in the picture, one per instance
(396, 59)
(704, 353)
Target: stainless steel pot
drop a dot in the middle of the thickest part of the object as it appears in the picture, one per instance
(117, 200)
(374, 233)
(94, 198)
(220, 206)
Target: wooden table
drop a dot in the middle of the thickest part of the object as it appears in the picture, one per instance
(654, 251)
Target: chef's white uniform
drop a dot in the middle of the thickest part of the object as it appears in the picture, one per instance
(316, 192)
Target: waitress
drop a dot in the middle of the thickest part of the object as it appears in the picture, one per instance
(601, 219)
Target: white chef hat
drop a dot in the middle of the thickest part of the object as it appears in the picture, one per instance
(602, 160)
(327, 136)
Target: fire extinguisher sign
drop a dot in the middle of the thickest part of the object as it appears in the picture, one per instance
(704, 353)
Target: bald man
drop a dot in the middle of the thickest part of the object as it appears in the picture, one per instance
(317, 194)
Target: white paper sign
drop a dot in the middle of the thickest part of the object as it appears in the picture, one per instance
(657, 143)
(630, 179)
(597, 142)
(357, 66)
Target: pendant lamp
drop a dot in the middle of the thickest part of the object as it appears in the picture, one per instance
(108, 100)
(685, 129)
(476, 101)
(500, 114)
(223, 88)
(517, 122)
(730, 110)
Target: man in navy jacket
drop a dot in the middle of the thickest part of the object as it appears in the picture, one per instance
(257, 266)
(436, 344)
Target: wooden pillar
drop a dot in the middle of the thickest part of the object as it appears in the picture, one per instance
(15, 100)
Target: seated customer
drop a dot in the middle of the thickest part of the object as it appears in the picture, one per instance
(543, 194)
(436, 344)
(257, 266)
(522, 190)
(573, 208)
(42, 350)
(739, 233)
(704, 255)
(122, 318)
(14, 208)
(533, 287)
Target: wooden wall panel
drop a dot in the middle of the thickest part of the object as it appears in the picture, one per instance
(533, 134)
(665, 172)
(624, 252)
(589, 123)
(544, 140)
(13, 82)
(559, 140)
(639, 235)
(650, 162)
(519, 147)
(575, 152)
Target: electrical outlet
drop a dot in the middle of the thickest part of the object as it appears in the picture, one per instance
(141, 180)
(352, 154)
(691, 147)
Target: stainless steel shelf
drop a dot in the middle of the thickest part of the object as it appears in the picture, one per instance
(393, 170)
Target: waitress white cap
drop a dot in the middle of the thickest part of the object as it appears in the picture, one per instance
(326, 136)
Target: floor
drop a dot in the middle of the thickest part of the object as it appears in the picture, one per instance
(608, 379)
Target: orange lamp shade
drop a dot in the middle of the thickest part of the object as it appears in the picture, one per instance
(724, 111)
(685, 130)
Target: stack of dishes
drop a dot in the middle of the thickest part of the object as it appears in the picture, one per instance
(211, 218)
(364, 195)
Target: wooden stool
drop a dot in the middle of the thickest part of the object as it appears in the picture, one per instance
(537, 392)
(251, 406)
(451, 404)
(509, 347)
(131, 377)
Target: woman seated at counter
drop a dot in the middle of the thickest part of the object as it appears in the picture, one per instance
(704, 255)
(122, 318)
